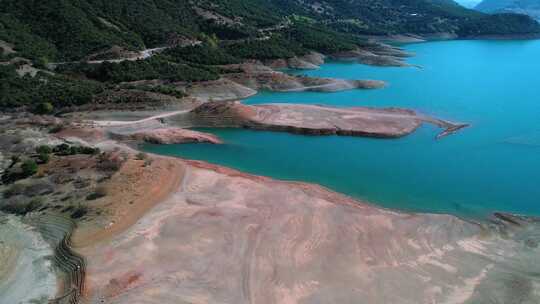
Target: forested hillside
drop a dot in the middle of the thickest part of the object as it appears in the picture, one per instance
(71, 29)
(75, 36)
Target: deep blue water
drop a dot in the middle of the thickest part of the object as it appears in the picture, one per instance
(492, 166)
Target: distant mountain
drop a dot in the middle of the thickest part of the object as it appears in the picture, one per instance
(527, 7)
(469, 3)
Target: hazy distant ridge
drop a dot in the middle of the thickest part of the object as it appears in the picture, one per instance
(527, 7)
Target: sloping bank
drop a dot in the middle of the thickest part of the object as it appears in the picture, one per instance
(38, 264)
(26, 274)
(223, 236)
(69, 265)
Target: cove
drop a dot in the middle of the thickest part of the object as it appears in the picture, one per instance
(492, 166)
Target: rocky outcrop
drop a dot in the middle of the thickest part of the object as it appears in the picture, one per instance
(314, 58)
(308, 119)
(235, 86)
(282, 82)
(310, 61)
(316, 120)
(219, 90)
(370, 58)
(169, 135)
(6, 48)
(377, 54)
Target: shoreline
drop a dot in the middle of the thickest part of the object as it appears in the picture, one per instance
(404, 39)
(211, 195)
(247, 229)
(211, 203)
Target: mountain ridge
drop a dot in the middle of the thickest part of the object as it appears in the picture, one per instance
(526, 7)
(73, 29)
(63, 54)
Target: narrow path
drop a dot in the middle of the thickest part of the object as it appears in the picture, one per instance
(144, 54)
(118, 123)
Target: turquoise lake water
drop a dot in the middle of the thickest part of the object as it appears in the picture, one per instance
(492, 166)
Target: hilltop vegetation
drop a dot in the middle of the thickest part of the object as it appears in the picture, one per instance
(201, 36)
(33, 92)
(63, 30)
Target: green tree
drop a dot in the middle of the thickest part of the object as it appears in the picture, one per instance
(44, 108)
(44, 158)
(29, 168)
(44, 149)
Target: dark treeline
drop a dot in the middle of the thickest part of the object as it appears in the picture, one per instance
(156, 67)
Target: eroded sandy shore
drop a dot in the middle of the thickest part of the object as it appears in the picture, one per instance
(222, 236)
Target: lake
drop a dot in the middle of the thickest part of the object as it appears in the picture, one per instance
(492, 166)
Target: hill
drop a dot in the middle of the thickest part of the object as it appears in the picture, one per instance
(527, 7)
(72, 29)
(96, 45)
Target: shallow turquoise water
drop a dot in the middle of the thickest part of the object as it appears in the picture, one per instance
(492, 166)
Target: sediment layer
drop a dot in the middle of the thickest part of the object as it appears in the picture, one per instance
(228, 237)
(166, 135)
(57, 231)
(235, 86)
(26, 274)
(316, 120)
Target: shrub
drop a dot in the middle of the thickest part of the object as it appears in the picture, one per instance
(44, 108)
(157, 67)
(44, 158)
(88, 150)
(15, 189)
(109, 163)
(44, 149)
(79, 212)
(60, 90)
(141, 156)
(15, 159)
(98, 193)
(56, 129)
(65, 149)
(29, 168)
(22, 208)
(206, 54)
(62, 149)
